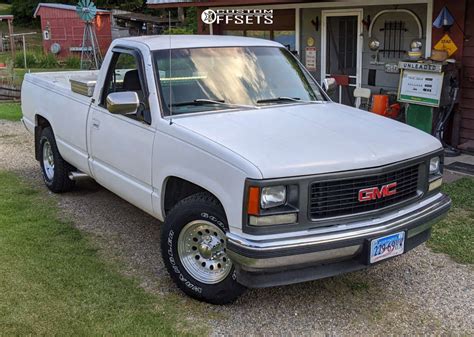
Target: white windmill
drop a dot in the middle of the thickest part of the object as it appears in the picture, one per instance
(91, 58)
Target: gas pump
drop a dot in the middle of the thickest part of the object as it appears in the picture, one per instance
(430, 89)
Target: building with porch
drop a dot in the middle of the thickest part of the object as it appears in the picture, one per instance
(332, 39)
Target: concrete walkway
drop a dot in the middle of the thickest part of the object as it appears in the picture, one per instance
(451, 176)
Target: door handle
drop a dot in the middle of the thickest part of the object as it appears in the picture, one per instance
(95, 123)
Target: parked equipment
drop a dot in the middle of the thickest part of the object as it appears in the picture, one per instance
(381, 105)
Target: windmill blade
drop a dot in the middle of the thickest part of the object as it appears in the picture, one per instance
(86, 10)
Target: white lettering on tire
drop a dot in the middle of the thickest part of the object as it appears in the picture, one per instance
(173, 263)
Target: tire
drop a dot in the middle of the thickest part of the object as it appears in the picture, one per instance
(55, 169)
(192, 227)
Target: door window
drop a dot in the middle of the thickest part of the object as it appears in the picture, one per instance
(125, 75)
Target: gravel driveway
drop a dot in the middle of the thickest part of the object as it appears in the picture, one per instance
(418, 293)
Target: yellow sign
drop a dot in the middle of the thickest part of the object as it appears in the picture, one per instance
(310, 42)
(446, 43)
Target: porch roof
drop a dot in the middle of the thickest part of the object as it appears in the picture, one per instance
(212, 3)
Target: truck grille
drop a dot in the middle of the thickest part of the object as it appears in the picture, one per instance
(341, 197)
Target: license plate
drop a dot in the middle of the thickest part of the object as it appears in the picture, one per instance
(387, 247)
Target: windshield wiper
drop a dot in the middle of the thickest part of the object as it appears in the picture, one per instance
(285, 99)
(204, 101)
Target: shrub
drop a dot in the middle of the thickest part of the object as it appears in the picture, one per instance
(178, 31)
(48, 61)
(31, 60)
(73, 62)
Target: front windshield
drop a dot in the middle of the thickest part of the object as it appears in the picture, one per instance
(209, 79)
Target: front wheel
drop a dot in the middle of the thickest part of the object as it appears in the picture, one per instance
(194, 250)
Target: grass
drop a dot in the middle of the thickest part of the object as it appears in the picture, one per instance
(455, 235)
(53, 282)
(10, 111)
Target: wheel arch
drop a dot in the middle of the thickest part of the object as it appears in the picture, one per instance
(177, 188)
(40, 124)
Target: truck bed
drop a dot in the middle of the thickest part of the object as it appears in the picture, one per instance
(49, 96)
(61, 81)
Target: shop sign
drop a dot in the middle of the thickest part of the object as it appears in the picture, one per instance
(447, 44)
(310, 58)
(238, 16)
(431, 67)
(419, 87)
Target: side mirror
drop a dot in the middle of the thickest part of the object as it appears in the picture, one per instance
(329, 85)
(122, 103)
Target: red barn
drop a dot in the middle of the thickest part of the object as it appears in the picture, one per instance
(62, 27)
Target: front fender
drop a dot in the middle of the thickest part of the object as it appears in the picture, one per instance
(174, 157)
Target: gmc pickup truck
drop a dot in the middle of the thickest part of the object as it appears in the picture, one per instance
(259, 178)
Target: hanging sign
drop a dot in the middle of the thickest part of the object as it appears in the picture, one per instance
(447, 44)
(420, 87)
(429, 67)
(310, 58)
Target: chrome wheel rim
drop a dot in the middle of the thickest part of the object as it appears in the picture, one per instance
(202, 251)
(48, 160)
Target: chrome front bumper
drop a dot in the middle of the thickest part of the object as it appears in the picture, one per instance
(328, 251)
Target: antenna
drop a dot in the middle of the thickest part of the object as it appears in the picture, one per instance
(169, 65)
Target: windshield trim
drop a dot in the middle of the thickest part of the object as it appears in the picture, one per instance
(221, 111)
(165, 112)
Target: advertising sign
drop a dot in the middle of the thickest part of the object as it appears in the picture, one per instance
(310, 58)
(420, 87)
(431, 67)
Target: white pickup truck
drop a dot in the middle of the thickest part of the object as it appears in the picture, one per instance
(259, 178)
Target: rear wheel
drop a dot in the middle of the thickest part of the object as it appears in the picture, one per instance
(194, 250)
(55, 169)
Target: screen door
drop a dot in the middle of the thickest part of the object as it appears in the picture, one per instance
(342, 52)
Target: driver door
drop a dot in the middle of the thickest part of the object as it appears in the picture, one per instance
(121, 145)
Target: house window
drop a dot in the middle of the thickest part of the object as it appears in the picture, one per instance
(260, 34)
(233, 32)
(285, 37)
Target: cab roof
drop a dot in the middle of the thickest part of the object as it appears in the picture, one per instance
(161, 42)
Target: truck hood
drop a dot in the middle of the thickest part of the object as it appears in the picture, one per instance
(306, 139)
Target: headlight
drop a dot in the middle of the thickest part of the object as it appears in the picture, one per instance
(273, 196)
(435, 166)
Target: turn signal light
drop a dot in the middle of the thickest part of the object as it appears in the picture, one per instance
(253, 206)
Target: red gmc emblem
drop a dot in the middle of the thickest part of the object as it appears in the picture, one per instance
(374, 193)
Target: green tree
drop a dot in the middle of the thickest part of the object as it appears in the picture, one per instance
(23, 10)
